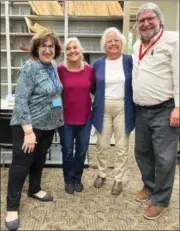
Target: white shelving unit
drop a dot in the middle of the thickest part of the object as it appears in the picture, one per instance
(14, 33)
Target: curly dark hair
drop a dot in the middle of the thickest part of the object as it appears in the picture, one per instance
(40, 38)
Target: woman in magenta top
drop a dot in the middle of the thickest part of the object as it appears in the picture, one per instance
(78, 82)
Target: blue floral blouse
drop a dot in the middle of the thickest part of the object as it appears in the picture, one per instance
(34, 94)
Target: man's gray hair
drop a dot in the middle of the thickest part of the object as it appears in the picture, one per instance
(69, 40)
(154, 8)
(117, 32)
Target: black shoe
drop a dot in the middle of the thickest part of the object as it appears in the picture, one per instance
(12, 225)
(46, 198)
(69, 188)
(78, 187)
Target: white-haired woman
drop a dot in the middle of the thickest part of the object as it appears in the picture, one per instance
(113, 108)
(78, 82)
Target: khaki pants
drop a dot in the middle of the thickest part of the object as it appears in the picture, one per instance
(114, 123)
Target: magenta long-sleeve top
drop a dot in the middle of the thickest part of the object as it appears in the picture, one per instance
(77, 87)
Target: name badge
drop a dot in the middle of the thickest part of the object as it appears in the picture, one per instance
(57, 102)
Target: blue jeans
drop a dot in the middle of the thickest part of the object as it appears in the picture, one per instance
(155, 151)
(74, 140)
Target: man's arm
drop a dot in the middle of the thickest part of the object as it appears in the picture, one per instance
(175, 115)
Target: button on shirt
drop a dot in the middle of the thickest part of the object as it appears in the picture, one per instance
(34, 94)
(156, 75)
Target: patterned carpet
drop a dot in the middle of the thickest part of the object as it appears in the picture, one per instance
(93, 209)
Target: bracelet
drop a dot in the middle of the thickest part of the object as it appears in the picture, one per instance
(28, 132)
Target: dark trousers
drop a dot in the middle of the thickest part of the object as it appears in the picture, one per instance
(155, 151)
(26, 163)
(74, 157)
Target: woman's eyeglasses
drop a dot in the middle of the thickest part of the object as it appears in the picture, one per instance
(113, 41)
(50, 47)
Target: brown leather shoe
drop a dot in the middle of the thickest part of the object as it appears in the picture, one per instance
(153, 212)
(98, 183)
(143, 195)
(116, 188)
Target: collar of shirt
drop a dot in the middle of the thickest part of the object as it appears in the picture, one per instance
(82, 66)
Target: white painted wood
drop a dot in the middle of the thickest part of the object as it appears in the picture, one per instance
(5, 105)
(65, 21)
(177, 21)
(8, 47)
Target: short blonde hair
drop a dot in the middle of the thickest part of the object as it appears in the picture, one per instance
(117, 32)
(69, 40)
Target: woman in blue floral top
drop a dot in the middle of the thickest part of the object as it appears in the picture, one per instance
(37, 112)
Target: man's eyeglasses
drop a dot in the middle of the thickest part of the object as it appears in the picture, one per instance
(50, 47)
(149, 19)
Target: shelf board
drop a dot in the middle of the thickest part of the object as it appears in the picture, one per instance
(38, 17)
(21, 34)
(97, 35)
(15, 68)
(133, 12)
(61, 18)
(5, 84)
(45, 17)
(3, 51)
(17, 17)
(12, 68)
(20, 2)
(86, 51)
(18, 34)
(79, 35)
(19, 51)
(95, 18)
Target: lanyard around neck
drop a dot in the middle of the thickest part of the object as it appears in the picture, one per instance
(142, 54)
(51, 76)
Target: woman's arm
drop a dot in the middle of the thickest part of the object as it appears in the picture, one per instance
(25, 86)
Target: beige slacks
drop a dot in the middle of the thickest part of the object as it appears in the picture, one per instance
(113, 123)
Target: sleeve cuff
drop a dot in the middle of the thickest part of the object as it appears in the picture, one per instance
(176, 101)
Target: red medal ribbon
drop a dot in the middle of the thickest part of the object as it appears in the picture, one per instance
(142, 54)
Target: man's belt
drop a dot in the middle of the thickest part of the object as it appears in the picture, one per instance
(161, 105)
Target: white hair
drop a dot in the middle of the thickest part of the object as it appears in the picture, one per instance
(69, 40)
(112, 30)
(153, 7)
